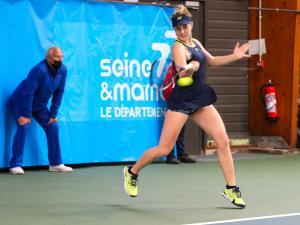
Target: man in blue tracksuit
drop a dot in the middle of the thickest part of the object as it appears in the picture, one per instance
(45, 80)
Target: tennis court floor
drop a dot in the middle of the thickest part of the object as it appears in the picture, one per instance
(168, 194)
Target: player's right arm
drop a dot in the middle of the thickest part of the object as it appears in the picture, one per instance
(179, 56)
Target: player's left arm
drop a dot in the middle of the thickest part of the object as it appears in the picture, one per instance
(238, 53)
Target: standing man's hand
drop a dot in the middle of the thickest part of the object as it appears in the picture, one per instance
(23, 120)
(52, 120)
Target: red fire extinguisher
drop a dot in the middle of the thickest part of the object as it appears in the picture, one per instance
(269, 97)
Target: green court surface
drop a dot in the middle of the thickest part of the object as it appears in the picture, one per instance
(168, 194)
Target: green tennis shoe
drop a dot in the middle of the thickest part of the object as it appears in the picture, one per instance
(130, 183)
(234, 195)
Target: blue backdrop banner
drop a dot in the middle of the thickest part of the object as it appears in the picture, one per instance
(110, 111)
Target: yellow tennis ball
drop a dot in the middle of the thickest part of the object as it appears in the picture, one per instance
(185, 81)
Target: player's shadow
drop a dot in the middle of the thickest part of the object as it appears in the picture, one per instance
(124, 207)
(231, 207)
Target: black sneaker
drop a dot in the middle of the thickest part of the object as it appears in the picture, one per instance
(186, 159)
(172, 160)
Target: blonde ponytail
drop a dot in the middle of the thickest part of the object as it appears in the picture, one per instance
(181, 10)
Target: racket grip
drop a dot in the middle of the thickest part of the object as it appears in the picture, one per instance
(188, 66)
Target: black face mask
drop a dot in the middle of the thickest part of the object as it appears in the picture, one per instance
(56, 64)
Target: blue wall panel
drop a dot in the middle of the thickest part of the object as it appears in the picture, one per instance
(110, 112)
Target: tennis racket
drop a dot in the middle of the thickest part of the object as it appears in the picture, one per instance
(161, 67)
(158, 70)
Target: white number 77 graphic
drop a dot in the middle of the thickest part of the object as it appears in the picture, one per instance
(164, 50)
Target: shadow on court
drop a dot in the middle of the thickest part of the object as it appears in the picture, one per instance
(168, 194)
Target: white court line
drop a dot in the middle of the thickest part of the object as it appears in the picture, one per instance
(246, 219)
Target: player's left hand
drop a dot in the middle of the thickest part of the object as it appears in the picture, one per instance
(52, 120)
(240, 50)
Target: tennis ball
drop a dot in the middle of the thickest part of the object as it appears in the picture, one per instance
(185, 81)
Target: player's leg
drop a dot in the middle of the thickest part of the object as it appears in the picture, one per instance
(211, 122)
(173, 123)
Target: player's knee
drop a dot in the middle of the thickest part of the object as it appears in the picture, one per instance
(222, 141)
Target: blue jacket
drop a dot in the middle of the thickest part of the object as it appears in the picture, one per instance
(35, 91)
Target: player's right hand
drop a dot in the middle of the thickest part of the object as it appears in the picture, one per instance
(190, 68)
(195, 64)
(23, 120)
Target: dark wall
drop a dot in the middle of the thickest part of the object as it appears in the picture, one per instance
(227, 23)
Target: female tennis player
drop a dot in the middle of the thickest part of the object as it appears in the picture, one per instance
(192, 97)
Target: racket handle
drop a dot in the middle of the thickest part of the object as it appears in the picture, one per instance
(188, 66)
